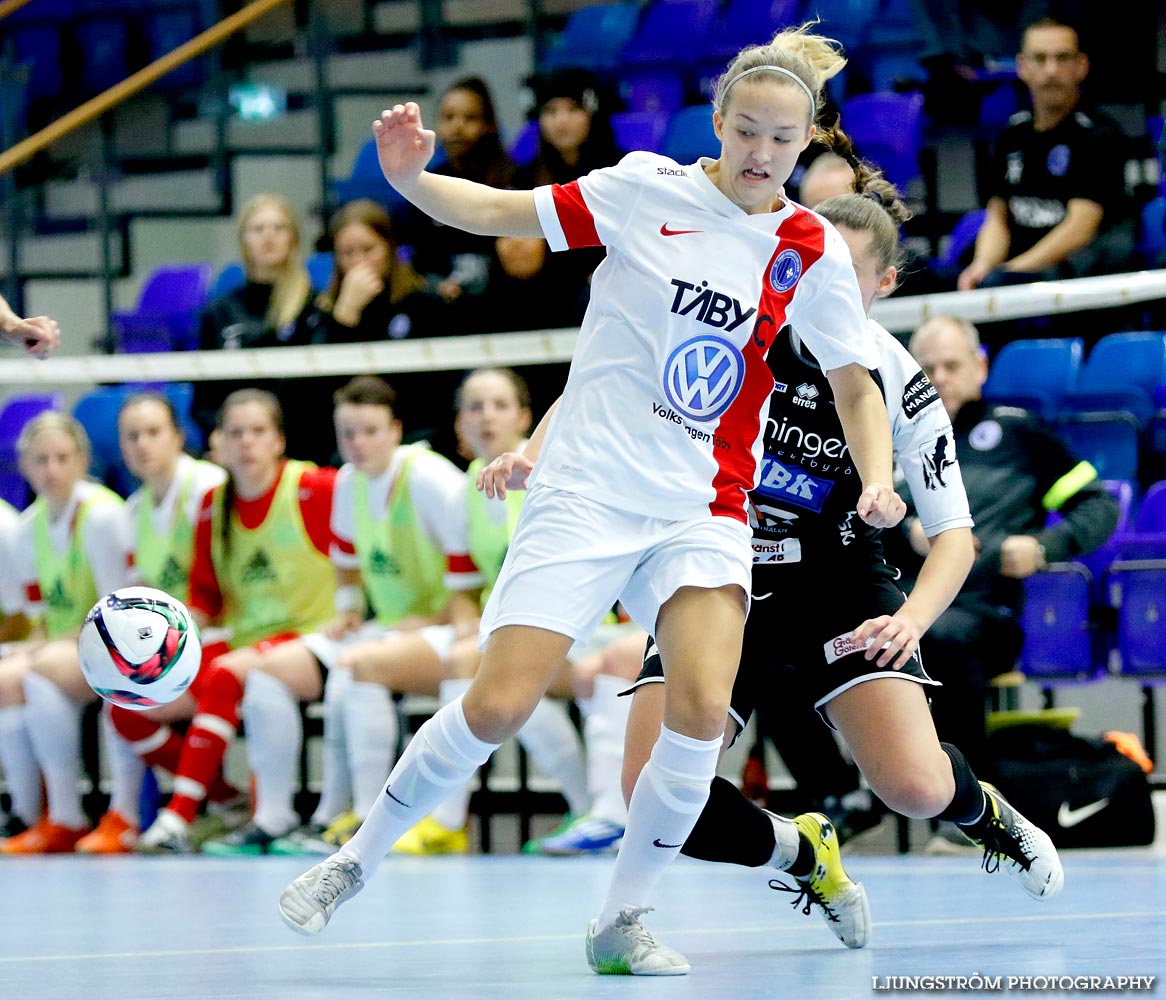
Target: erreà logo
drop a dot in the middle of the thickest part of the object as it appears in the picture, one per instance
(785, 271)
(258, 569)
(806, 393)
(703, 376)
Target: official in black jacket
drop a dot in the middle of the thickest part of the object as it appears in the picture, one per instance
(1016, 472)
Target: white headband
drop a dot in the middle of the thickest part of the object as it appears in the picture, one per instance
(775, 69)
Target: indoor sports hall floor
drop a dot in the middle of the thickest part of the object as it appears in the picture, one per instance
(511, 928)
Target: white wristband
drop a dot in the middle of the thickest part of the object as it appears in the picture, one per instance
(349, 598)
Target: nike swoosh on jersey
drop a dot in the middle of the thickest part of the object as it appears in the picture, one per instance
(665, 231)
(1067, 817)
(670, 847)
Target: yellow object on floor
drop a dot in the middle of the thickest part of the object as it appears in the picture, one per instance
(430, 837)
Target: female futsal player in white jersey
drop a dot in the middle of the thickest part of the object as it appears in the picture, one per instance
(661, 415)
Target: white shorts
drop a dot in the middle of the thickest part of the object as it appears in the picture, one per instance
(571, 558)
(439, 638)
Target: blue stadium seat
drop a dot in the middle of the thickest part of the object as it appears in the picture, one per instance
(320, 266)
(232, 276)
(97, 412)
(749, 22)
(1035, 374)
(1152, 233)
(1098, 561)
(1058, 641)
(169, 25)
(366, 181)
(847, 20)
(962, 238)
(1123, 372)
(594, 36)
(669, 31)
(638, 130)
(1108, 441)
(524, 148)
(887, 130)
(104, 43)
(38, 49)
(167, 314)
(689, 135)
(1147, 537)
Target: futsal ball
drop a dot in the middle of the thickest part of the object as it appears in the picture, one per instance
(139, 648)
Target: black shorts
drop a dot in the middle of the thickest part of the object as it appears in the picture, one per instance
(801, 619)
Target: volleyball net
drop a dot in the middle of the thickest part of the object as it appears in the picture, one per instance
(457, 353)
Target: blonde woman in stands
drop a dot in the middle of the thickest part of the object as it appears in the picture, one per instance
(74, 546)
(395, 535)
(662, 412)
(259, 569)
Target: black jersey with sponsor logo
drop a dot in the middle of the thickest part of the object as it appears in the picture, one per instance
(802, 509)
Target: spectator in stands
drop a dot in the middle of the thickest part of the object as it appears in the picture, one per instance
(259, 569)
(1016, 471)
(1057, 188)
(532, 288)
(457, 264)
(74, 546)
(828, 175)
(374, 295)
(269, 309)
(39, 335)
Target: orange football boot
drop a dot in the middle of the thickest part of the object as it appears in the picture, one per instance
(114, 835)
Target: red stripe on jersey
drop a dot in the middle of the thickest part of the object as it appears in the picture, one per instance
(460, 563)
(741, 423)
(574, 216)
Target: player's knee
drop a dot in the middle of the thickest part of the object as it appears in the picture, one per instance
(496, 715)
(698, 712)
(12, 689)
(919, 793)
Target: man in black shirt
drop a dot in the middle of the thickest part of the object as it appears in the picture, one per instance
(1016, 471)
(1057, 185)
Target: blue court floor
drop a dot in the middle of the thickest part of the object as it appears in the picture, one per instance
(511, 928)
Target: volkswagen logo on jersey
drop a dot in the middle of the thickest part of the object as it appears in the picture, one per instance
(785, 271)
(703, 376)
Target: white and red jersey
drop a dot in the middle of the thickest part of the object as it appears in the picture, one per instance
(663, 408)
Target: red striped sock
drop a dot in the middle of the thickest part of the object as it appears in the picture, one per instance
(213, 726)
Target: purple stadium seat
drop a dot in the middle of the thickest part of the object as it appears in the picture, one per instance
(525, 145)
(689, 135)
(1147, 538)
(962, 237)
(638, 130)
(887, 129)
(167, 314)
(750, 22)
(667, 32)
(658, 92)
(17, 412)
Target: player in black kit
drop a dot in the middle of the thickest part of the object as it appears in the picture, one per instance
(825, 601)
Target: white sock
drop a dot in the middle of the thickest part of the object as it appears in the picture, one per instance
(442, 755)
(370, 730)
(454, 812)
(603, 734)
(553, 744)
(21, 771)
(336, 790)
(54, 724)
(275, 733)
(671, 792)
(126, 770)
(789, 841)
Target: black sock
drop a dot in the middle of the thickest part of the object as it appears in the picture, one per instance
(731, 829)
(967, 805)
(806, 859)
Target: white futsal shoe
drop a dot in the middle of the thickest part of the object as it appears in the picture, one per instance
(308, 903)
(841, 900)
(1021, 846)
(627, 949)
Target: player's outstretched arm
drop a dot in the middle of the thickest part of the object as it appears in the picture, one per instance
(404, 149)
(40, 336)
